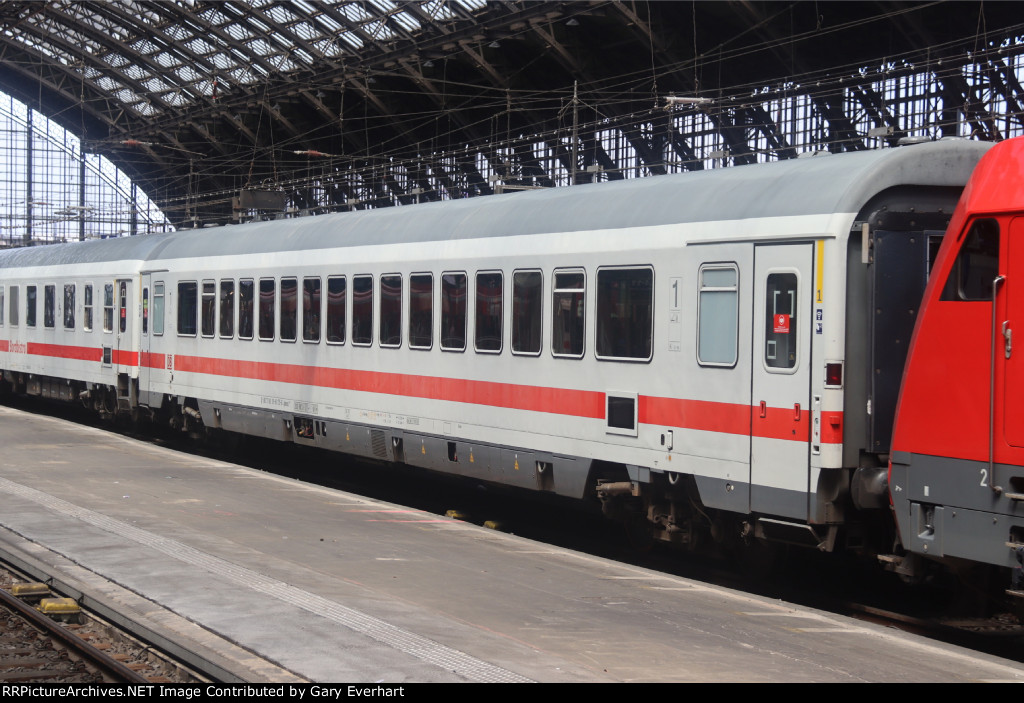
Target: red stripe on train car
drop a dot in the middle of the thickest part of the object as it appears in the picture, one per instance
(4, 345)
(152, 361)
(62, 351)
(503, 395)
(704, 415)
(701, 415)
(781, 423)
(124, 358)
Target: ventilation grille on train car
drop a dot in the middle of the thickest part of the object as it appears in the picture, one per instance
(379, 442)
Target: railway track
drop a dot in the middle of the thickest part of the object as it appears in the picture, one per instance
(81, 649)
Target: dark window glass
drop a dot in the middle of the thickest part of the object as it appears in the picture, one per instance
(2, 309)
(289, 303)
(108, 307)
(227, 308)
(311, 309)
(625, 313)
(188, 306)
(453, 311)
(246, 308)
(976, 265)
(568, 315)
(527, 299)
(123, 306)
(489, 299)
(621, 412)
(145, 311)
(209, 313)
(13, 309)
(50, 306)
(362, 310)
(390, 311)
(30, 306)
(268, 293)
(87, 308)
(336, 301)
(780, 321)
(421, 311)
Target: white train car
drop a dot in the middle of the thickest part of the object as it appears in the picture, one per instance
(717, 352)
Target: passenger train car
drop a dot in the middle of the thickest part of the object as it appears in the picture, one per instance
(715, 355)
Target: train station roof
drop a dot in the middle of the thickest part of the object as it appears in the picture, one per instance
(209, 100)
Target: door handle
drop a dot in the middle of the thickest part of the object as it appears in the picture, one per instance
(1008, 336)
(796, 412)
(764, 409)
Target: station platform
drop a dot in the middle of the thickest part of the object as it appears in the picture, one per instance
(275, 580)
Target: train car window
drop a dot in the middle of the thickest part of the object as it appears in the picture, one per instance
(289, 308)
(49, 306)
(453, 311)
(188, 307)
(108, 307)
(268, 295)
(145, 311)
(209, 311)
(337, 293)
(2, 308)
(246, 308)
(781, 323)
(311, 309)
(362, 310)
(31, 305)
(69, 306)
(13, 309)
(421, 311)
(227, 308)
(976, 265)
(123, 307)
(717, 315)
(391, 310)
(625, 313)
(527, 306)
(158, 308)
(489, 299)
(87, 308)
(568, 314)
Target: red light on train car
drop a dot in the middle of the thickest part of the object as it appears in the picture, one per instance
(834, 374)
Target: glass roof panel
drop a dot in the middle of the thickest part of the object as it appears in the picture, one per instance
(438, 9)
(238, 31)
(305, 31)
(222, 61)
(200, 46)
(116, 60)
(214, 16)
(144, 46)
(167, 60)
(280, 14)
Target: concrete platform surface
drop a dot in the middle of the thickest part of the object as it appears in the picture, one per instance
(279, 580)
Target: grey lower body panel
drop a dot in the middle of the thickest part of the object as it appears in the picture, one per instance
(523, 468)
(947, 508)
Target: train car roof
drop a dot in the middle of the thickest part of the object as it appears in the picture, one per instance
(821, 184)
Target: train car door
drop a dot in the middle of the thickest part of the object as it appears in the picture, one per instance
(780, 408)
(1003, 337)
(147, 332)
(125, 354)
